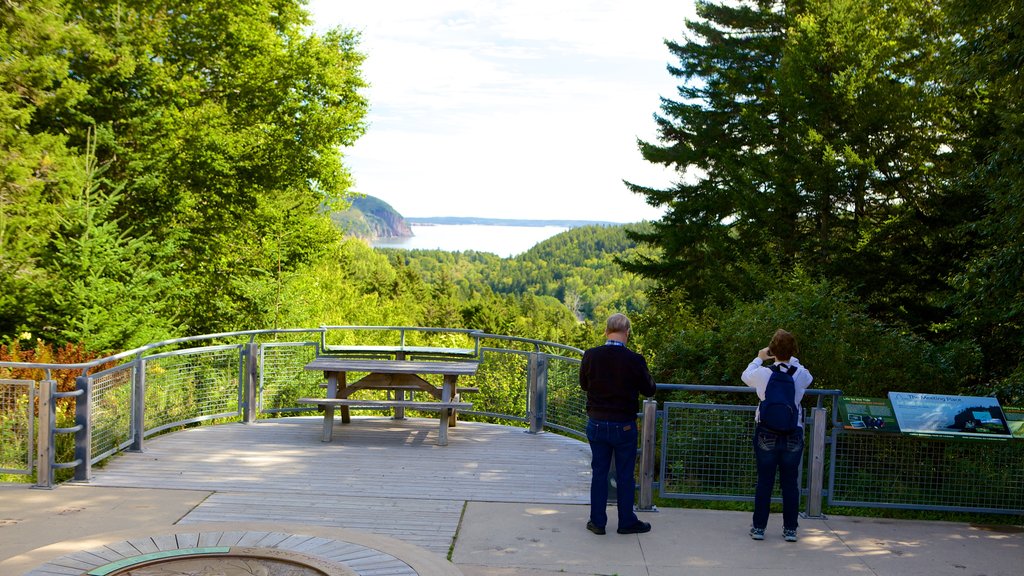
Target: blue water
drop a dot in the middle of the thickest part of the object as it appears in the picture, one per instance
(505, 241)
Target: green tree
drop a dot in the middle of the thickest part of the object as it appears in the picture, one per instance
(104, 283)
(219, 125)
(35, 166)
(264, 109)
(805, 137)
(984, 74)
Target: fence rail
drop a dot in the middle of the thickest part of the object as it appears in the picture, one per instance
(695, 440)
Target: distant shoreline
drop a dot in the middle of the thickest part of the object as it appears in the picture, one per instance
(456, 220)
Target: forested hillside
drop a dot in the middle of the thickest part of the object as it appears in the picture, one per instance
(170, 169)
(577, 267)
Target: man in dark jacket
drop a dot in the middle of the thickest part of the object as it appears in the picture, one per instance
(614, 377)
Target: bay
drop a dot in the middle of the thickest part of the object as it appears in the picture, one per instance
(505, 241)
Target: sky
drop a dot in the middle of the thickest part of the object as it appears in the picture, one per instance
(510, 109)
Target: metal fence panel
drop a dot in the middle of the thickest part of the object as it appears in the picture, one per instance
(502, 379)
(913, 472)
(17, 425)
(111, 411)
(707, 452)
(192, 385)
(566, 401)
(283, 377)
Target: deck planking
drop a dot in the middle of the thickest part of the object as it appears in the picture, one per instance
(378, 475)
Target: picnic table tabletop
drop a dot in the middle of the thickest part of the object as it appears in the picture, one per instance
(449, 367)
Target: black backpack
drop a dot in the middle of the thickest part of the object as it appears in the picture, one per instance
(778, 411)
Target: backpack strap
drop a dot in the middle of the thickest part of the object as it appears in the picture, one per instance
(776, 368)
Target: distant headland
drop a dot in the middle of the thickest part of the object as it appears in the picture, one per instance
(371, 218)
(506, 221)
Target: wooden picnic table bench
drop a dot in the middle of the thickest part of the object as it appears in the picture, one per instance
(400, 376)
(399, 352)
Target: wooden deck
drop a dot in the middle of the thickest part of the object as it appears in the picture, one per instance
(378, 475)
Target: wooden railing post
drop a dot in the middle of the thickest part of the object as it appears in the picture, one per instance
(251, 382)
(816, 461)
(47, 416)
(647, 444)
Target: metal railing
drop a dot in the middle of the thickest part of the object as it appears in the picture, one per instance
(887, 470)
(697, 449)
(706, 447)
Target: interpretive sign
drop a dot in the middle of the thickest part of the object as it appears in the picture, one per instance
(940, 414)
(1015, 420)
(867, 414)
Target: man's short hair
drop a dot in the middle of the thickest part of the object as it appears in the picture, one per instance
(617, 323)
(783, 345)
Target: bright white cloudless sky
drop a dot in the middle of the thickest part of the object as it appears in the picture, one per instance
(510, 109)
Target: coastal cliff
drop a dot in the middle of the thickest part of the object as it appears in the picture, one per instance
(371, 218)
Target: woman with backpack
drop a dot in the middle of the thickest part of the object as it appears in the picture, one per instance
(779, 433)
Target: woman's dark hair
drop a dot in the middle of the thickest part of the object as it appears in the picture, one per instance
(783, 345)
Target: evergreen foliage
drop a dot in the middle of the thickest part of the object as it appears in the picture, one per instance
(803, 149)
(986, 76)
(358, 285)
(105, 282)
(840, 343)
(218, 129)
(862, 145)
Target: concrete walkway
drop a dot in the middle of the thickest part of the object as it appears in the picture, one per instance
(504, 539)
(383, 500)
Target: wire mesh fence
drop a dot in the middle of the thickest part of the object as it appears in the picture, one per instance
(705, 447)
(566, 402)
(501, 380)
(902, 471)
(16, 409)
(707, 452)
(283, 379)
(192, 385)
(110, 410)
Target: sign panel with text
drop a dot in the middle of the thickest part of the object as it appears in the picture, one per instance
(874, 414)
(1015, 420)
(940, 414)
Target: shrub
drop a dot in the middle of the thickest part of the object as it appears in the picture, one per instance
(839, 343)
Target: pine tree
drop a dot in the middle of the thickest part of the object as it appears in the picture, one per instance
(34, 165)
(804, 136)
(106, 290)
(985, 72)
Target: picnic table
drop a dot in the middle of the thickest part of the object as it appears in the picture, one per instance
(403, 377)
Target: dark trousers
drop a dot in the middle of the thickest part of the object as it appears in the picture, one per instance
(610, 440)
(780, 453)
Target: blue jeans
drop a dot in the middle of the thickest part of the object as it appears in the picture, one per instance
(782, 453)
(612, 440)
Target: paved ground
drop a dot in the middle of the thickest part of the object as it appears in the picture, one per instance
(383, 500)
(503, 539)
